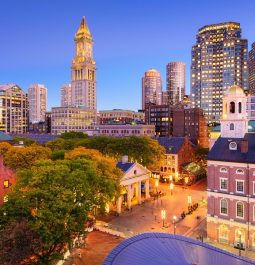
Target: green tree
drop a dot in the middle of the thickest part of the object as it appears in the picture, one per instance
(73, 135)
(55, 199)
(26, 141)
(56, 144)
(24, 157)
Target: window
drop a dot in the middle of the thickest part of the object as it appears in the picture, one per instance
(134, 172)
(239, 186)
(239, 171)
(254, 212)
(232, 126)
(239, 210)
(223, 170)
(232, 107)
(223, 234)
(223, 183)
(223, 206)
(239, 107)
(6, 198)
(253, 187)
(6, 184)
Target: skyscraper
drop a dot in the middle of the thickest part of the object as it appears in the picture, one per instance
(219, 60)
(151, 88)
(175, 81)
(37, 98)
(66, 95)
(252, 69)
(84, 70)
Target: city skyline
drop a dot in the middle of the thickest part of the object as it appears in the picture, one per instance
(121, 35)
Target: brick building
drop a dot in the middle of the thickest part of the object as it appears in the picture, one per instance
(231, 176)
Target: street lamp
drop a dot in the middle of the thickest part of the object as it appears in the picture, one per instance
(170, 178)
(163, 216)
(186, 180)
(174, 221)
(189, 200)
(171, 188)
(240, 241)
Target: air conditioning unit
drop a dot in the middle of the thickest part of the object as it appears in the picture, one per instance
(232, 146)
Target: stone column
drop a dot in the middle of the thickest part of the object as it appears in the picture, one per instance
(129, 196)
(147, 189)
(119, 203)
(139, 192)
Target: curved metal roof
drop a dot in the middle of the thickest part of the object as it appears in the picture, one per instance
(168, 249)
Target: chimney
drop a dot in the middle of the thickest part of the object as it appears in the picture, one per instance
(244, 146)
(124, 159)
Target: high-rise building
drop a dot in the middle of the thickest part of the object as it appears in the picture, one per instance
(84, 70)
(37, 98)
(151, 88)
(252, 69)
(14, 109)
(219, 60)
(175, 82)
(66, 95)
(164, 100)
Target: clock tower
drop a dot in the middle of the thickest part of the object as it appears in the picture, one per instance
(234, 122)
(84, 70)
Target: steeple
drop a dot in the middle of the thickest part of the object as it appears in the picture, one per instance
(83, 30)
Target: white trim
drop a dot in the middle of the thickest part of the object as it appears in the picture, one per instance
(240, 173)
(229, 196)
(228, 222)
(228, 164)
(227, 184)
(253, 189)
(223, 170)
(225, 214)
(240, 180)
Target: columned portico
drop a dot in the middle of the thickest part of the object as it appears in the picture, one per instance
(147, 189)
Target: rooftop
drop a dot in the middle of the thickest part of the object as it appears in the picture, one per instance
(172, 144)
(165, 249)
(125, 166)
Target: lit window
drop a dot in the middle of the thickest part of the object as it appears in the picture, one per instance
(239, 210)
(6, 198)
(6, 184)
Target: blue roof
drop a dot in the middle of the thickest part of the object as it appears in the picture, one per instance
(220, 150)
(166, 249)
(172, 144)
(5, 137)
(40, 138)
(125, 166)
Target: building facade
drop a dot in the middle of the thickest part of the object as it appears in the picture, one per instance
(219, 60)
(151, 88)
(66, 95)
(178, 121)
(83, 84)
(120, 116)
(251, 64)
(126, 130)
(175, 82)
(66, 119)
(37, 99)
(231, 176)
(14, 109)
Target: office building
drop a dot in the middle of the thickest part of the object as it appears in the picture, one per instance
(84, 70)
(219, 60)
(14, 109)
(251, 64)
(37, 99)
(66, 95)
(175, 82)
(151, 88)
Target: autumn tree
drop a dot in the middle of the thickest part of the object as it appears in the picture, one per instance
(24, 157)
(55, 199)
(4, 147)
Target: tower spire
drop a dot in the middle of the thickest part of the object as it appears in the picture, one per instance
(83, 29)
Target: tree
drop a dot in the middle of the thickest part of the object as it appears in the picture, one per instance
(55, 199)
(24, 157)
(56, 144)
(73, 135)
(26, 141)
(4, 147)
(200, 155)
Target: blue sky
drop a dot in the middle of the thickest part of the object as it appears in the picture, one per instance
(131, 36)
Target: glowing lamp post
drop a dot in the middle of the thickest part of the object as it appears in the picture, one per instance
(174, 222)
(171, 188)
(189, 200)
(171, 178)
(163, 216)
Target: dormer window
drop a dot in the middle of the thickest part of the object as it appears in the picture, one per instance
(232, 146)
(239, 171)
(223, 170)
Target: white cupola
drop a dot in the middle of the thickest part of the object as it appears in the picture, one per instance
(234, 121)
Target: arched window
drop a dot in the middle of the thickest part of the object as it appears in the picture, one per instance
(223, 170)
(239, 236)
(223, 234)
(239, 171)
(232, 126)
(134, 172)
(239, 107)
(239, 209)
(224, 206)
(232, 107)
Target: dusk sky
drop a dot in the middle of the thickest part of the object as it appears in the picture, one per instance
(130, 37)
